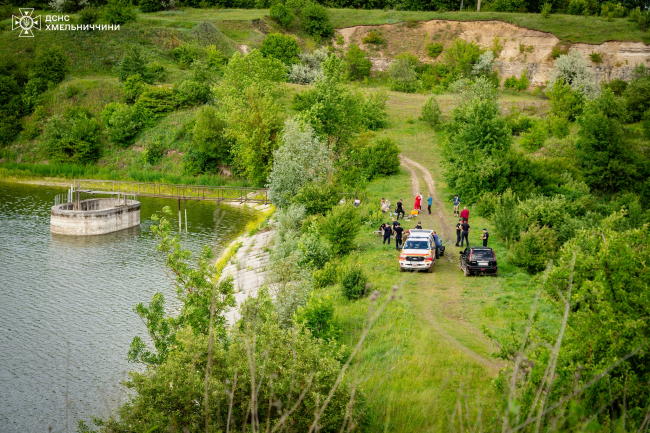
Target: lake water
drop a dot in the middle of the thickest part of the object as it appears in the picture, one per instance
(66, 305)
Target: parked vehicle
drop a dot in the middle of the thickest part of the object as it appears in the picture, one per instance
(418, 252)
(478, 261)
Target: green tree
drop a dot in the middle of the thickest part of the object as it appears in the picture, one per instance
(282, 15)
(119, 12)
(534, 248)
(11, 108)
(122, 122)
(317, 197)
(401, 71)
(340, 228)
(133, 63)
(316, 20)
(147, 6)
(461, 56)
(282, 47)
(301, 158)
(381, 158)
(431, 112)
(73, 138)
(49, 68)
(565, 102)
(357, 62)
(637, 93)
(133, 87)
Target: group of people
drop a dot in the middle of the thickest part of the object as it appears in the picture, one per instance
(395, 229)
(399, 208)
(462, 227)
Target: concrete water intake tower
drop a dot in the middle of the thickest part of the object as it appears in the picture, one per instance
(80, 213)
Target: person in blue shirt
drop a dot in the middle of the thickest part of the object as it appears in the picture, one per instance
(429, 203)
(436, 240)
(456, 206)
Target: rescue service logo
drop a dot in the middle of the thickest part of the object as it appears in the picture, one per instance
(25, 22)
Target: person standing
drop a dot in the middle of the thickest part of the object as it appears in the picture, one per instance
(398, 236)
(458, 230)
(485, 237)
(456, 205)
(387, 232)
(399, 209)
(429, 203)
(419, 226)
(418, 202)
(437, 244)
(465, 233)
(464, 214)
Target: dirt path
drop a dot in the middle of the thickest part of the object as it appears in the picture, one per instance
(444, 308)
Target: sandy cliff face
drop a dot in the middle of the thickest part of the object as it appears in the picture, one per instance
(523, 49)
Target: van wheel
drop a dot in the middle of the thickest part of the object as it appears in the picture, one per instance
(430, 270)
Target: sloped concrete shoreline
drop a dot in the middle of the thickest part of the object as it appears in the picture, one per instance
(247, 268)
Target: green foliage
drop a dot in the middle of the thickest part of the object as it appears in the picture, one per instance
(119, 12)
(210, 146)
(282, 15)
(340, 228)
(155, 102)
(301, 159)
(327, 276)
(133, 63)
(507, 220)
(575, 72)
(547, 9)
(11, 108)
(617, 86)
(645, 124)
(317, 197)
(315, 252)
(460, 57)
(185, 55)
(89, 15)
(558, 126)
(534, 248)
(49, 67)
(595, 57)
(134, 85)
(373, 111)
(73, 138)
(282, 47)
(545, 211)
(637, 93)
(565, 102)
(508, 5)
(401, 71)
(577, 7)
(316, 20)
(122, 123)
(147, 6)
(640, 17)
(373, 37)
(615, 10)
(353, 282)
(431, 112)
(535, 138)
(358, 63)
(153, 152)
(487, 204)
(381, 158)
(318, 316)
(434, 49)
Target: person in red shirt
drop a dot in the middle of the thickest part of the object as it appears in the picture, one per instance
(464, 214)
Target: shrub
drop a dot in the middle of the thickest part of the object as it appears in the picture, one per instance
(431, 112)
(314, 251)
(121, 122)
(282, 47)
(210, 147)
(558, 126)
(615, 10)
(11, 109)
(595, 57)
(340, 228)
(317, 197)
(617, 86)
(641, 18)
(318, 316)
(645, 124)
(460, 57)
(353, 283)
(185, 55)
(327, 276)
(373, 111)
(434, 49)
(557, 51)
(547, 9)
(373, 37)
(507, 220)
(49, 67)
(522, 83)
(510, 83)
(487, 204)
(637, 93)
(282, 15)
(191, 92)
(316, 20)
(215, 58)
(535, 138)
(153, 152)
(154, 102)
(508, 5)
(309, 69)
(381, 159)
(133, 63)
(133, 88)
(147, 6)
(577, 7)
(89, 15)
(565, 102)
(574, 70)
(357, 62)
(119, 12)
(73, 138)
(534, 248)
(484, 65)
(401, 71)
(520, 123)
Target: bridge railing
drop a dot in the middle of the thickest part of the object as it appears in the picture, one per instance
(183, 192)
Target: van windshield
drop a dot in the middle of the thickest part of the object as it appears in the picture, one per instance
(416, 245)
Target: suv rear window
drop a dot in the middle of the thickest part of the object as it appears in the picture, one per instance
(482, 255)
(416, 245)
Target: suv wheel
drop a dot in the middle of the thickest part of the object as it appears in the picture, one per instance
(467, 272)
(401, 269)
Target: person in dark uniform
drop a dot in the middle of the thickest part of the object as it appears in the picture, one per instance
(458, 230)
(387, 232)
(398, 236)
(465, 234)
(485, 237)
(419, 226)
(399, 209)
